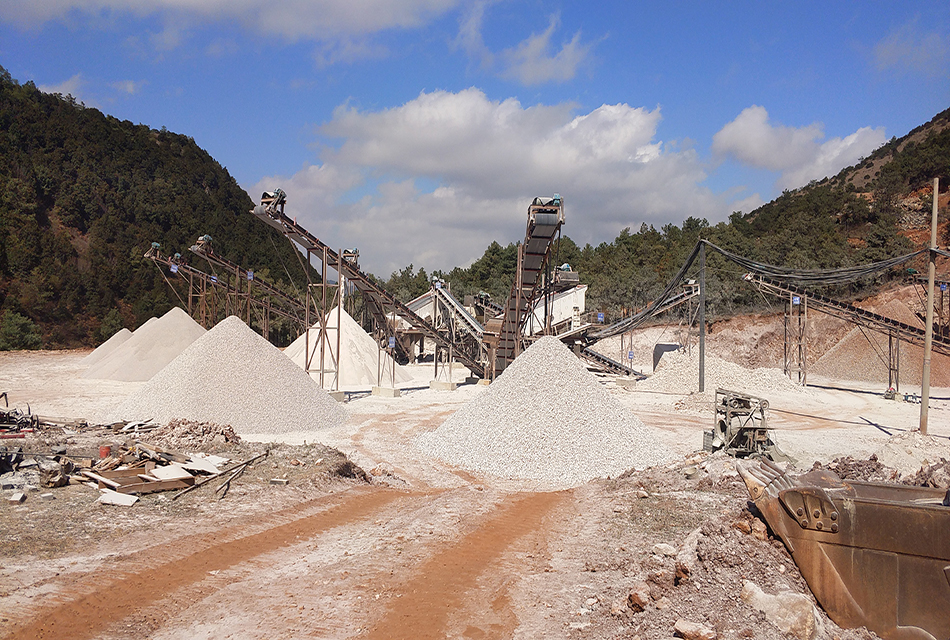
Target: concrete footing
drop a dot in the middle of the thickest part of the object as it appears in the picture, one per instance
(339, 396)
(442, 385)
(484, 382)
(386, 392)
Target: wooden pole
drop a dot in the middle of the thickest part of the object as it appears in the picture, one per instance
(928, 336)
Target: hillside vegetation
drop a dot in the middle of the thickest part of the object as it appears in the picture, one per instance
(83, 195)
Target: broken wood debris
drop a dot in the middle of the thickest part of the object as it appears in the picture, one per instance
(240, 465)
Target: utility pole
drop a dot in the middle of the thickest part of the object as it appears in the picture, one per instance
(702, 316)
(928, 335)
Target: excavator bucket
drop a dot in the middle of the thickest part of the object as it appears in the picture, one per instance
(875, 555)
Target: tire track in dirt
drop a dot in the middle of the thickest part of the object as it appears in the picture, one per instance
(87, 616)
(450, 588)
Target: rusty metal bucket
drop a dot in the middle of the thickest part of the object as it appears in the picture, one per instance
(874, 554)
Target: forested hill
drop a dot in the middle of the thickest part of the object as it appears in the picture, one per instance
(82, 197)
(877, 209)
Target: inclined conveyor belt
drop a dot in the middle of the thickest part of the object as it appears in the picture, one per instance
(544, 222)
(377, 299)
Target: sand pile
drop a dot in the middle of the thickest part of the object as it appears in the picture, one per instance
(233, 376)
(149, 349)
(108, 347)
(359, 355)
(546, 418)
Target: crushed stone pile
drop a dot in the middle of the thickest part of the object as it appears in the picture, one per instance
(106, 347)
(546, 419)
(359, 354)
(188, 435)
(232, 376)
(678, 372)
(149, 349)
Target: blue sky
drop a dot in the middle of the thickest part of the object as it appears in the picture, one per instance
(419, 130)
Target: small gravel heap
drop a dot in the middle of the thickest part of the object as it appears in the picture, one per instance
(232, 376)
(678, 373)
(107, 347)
(359, 354)
(547, 419)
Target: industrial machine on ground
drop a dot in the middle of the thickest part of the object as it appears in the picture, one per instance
(740, 427)
(875, 555)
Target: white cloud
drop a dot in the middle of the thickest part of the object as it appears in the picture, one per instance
(907, 49)
(74, 86)
(532, 61)
(435, 180)
(130, 87)
(796, 153)
(291, 19)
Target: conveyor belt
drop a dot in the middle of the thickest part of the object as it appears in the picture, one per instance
(545, 218)
(183, 269)
(609, 364)
(856, 315)
(243, 274)
(466, 321)
(379, 301)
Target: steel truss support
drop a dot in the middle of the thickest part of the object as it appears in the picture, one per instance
(796, 344)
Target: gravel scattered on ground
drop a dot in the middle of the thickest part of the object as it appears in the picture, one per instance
(547, 419)
(233, 376)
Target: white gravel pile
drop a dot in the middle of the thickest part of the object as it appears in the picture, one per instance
(678, 372)
(107, 347)
(358, 358)
(547, 419)
(233, 376)
(149, 349)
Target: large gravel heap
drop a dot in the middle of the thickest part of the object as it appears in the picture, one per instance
(548, 419)
(359, 354)
(148, 349)
(232, 376)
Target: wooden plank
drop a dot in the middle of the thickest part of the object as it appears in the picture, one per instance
(151, 487)
(102, 480)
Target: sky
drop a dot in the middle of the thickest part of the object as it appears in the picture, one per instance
(418, 131)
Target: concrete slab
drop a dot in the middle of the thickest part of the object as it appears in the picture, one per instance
(442, 385)
(386, 392)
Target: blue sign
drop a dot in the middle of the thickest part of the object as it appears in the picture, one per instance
(174, 268)
(392, 342)
(214, 278)
(630, 355)
(250, 275)
(438, 285)
(943, 286)
(600, 317)
(796, 300)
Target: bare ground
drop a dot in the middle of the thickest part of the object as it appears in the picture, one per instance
(421, 551)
